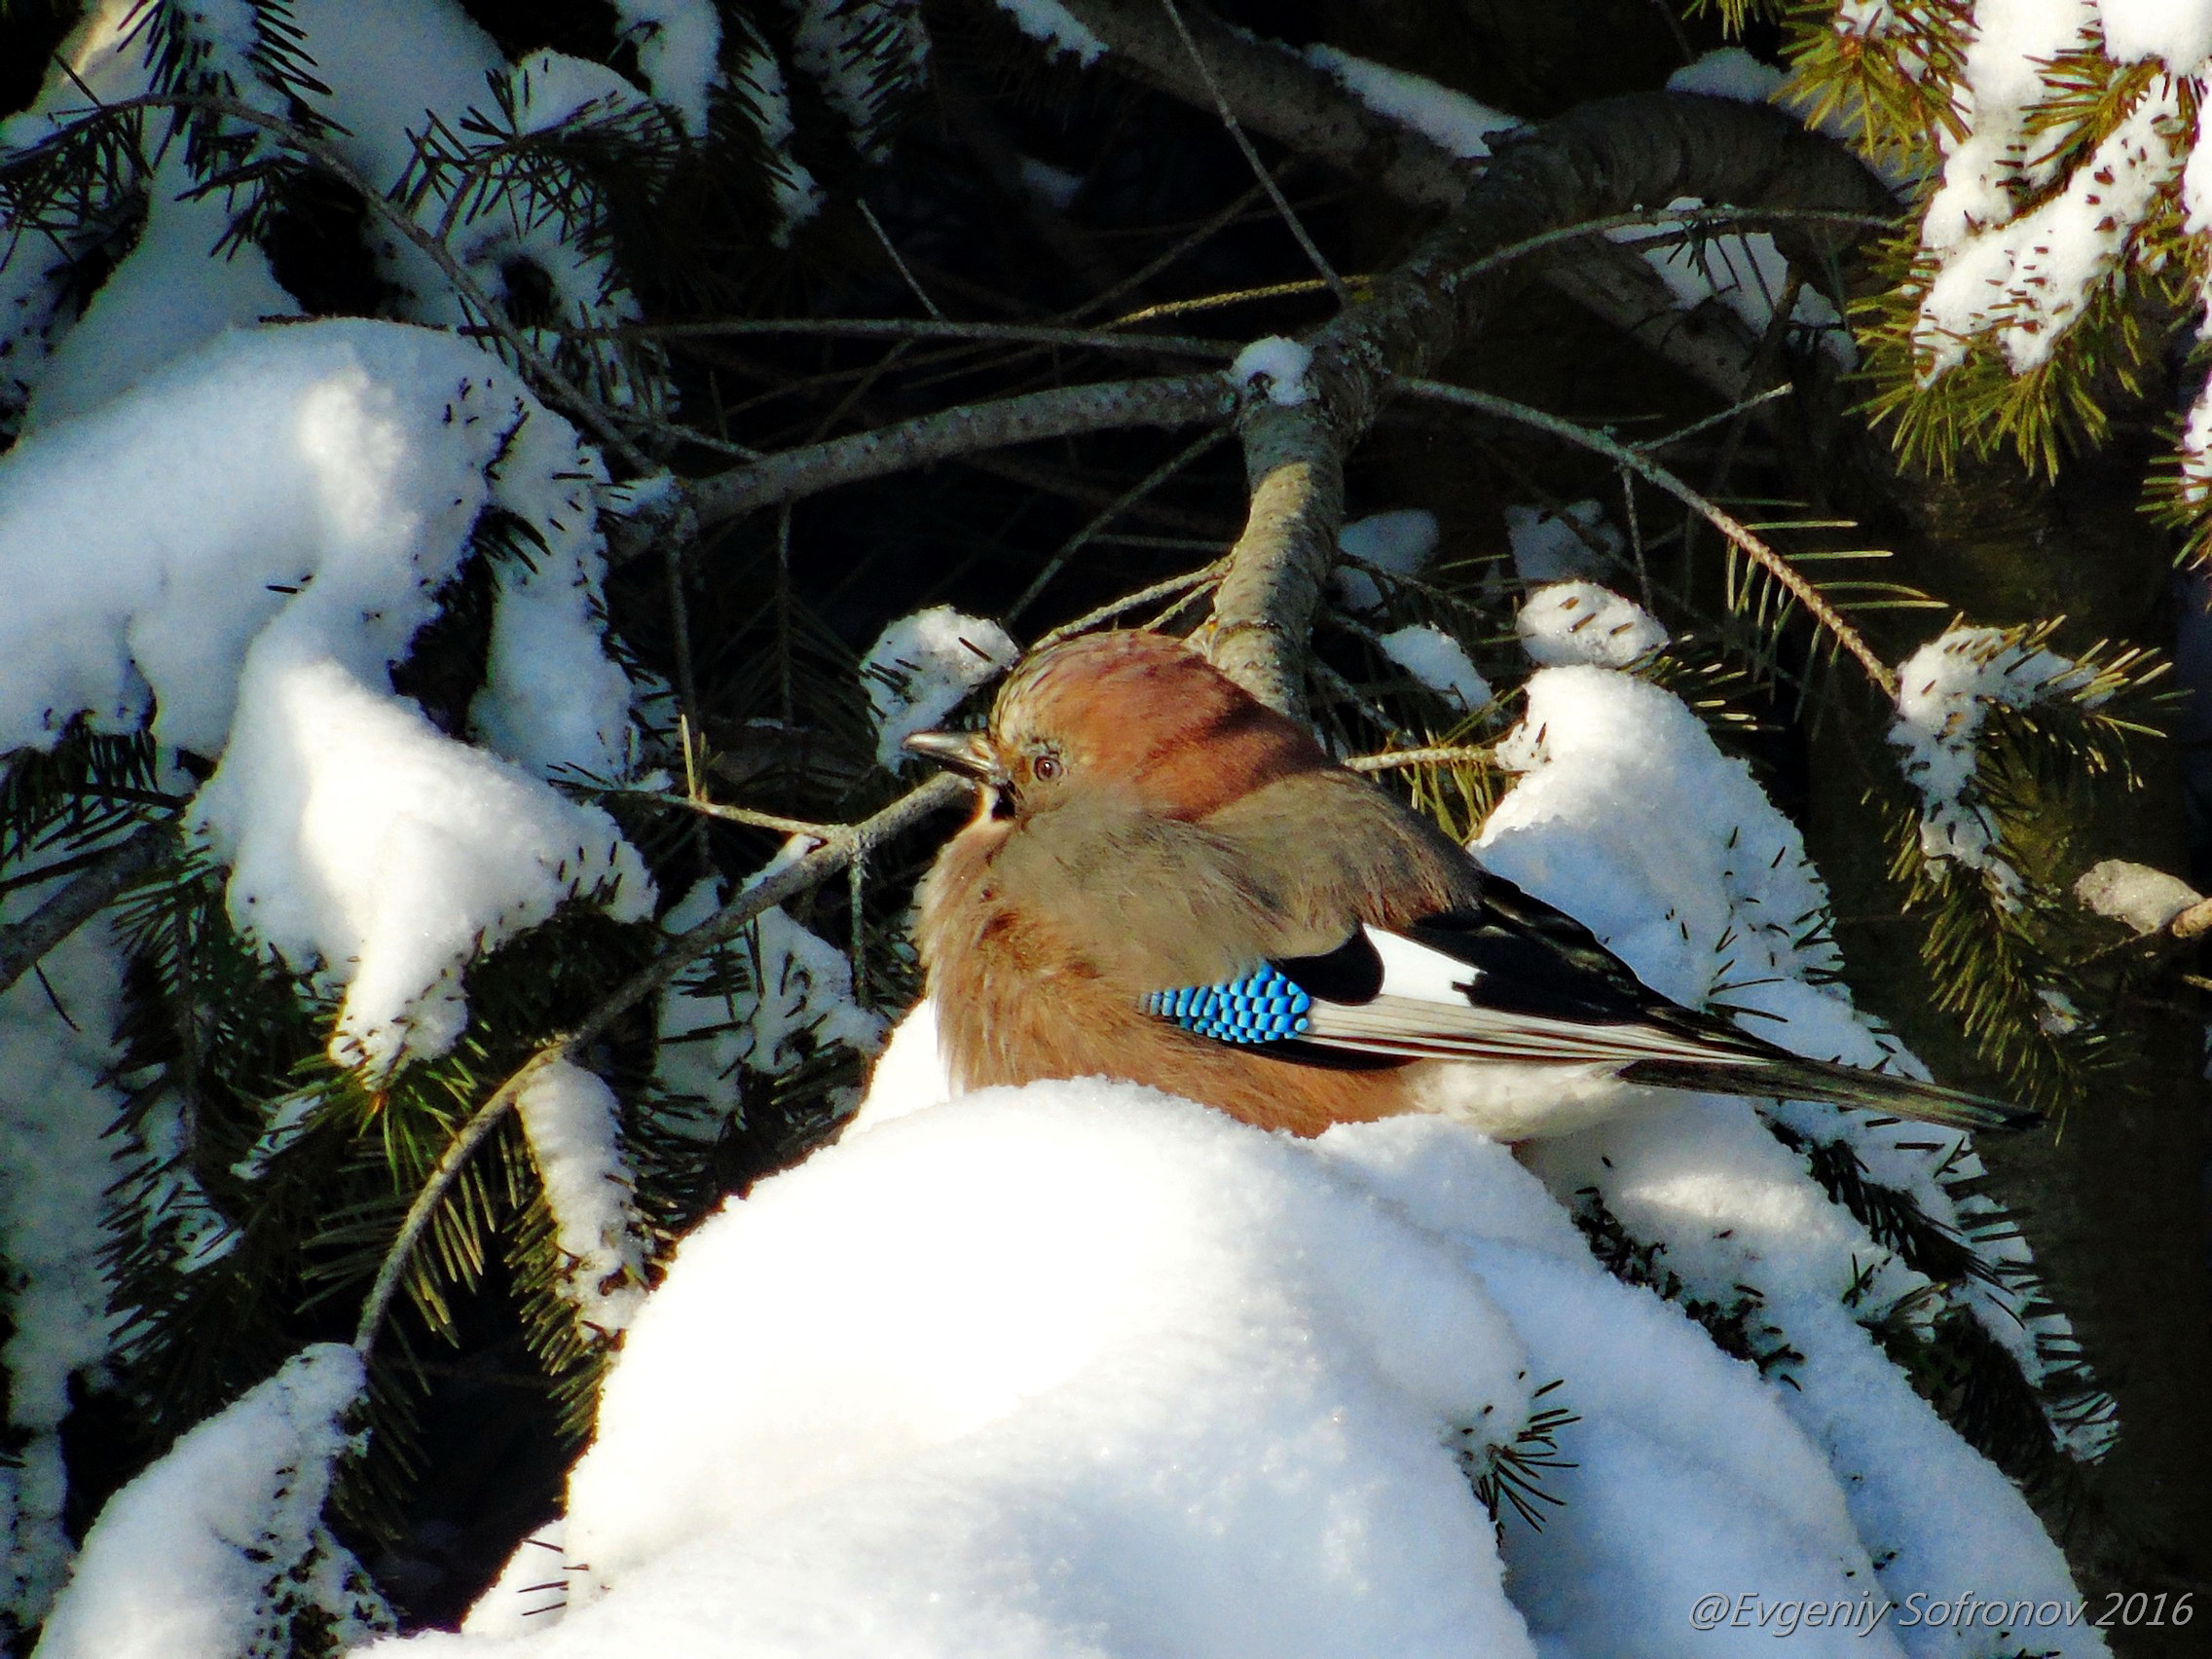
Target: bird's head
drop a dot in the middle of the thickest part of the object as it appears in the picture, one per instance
(1137, 714)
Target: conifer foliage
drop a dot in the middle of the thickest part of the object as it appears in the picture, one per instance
(485, 486)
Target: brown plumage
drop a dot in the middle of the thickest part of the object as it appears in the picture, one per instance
(1145, 825)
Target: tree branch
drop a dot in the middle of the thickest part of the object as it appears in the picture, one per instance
(1601, 159)
(1175, 400)
(111, 871)
(1273, 90)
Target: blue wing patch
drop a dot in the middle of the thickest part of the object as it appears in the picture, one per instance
(1263, 1006)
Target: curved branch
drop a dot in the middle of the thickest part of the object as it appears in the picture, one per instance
(686, 949)
(1599, 160)
(1739, 534)
(1298, 103)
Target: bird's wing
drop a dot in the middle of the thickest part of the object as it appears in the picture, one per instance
(1517, 982)
(1458, 986)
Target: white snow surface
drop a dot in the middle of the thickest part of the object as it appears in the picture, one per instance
(1057, 27)
(1401, 542)
(531, 1588)
(167, 1570)
(1743, 270)
(762, 1004)
(59, 1100)
(1729, 72)
(1577, 541)
(255, 535)
(1277, 366)
(677, 43)
(2027, 278)
(1439, 662)
(860, 54)
(922, 666)
(2143, 898)
(797, 197)
(2177, 32)
(170, 295)
(1450, 119)
(570, 1120)
(1581, 622)
(1208, 1406)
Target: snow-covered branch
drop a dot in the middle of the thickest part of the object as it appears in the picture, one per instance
(725, 925)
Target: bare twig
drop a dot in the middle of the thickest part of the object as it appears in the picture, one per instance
(898, 263)
(1173, 587)
(1312, 250)
(1113, 510)
(94, 888)
(1741, 535)
(825, 861)
(1443, 754)
(1181, 401)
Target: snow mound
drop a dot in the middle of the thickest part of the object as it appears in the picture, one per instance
(183, 1559)
(1439, 662)
(1402, 543)
(257, 532)
(1078, 1369)
(1277, 367)
(1568, 545)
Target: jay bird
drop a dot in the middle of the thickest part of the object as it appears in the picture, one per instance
(1169, 882)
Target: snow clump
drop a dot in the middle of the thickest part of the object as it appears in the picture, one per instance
(1401, 543)
(1277, 366)
(920, 669)
(1574, 543)
(1581, 622)
(1946, 691)
(1439, 662)
(220, 1544)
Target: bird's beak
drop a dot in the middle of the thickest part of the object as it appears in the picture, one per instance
(968, 753)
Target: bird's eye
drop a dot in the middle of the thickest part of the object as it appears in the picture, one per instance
(1045, 769)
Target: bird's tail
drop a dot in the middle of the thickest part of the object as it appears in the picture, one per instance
(1791, 1077)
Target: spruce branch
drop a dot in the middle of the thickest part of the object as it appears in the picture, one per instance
(846, 845)
(301, 140)
(90, 892)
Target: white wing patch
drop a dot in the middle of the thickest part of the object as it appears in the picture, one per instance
(1426, 1008)
(1414, 970)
